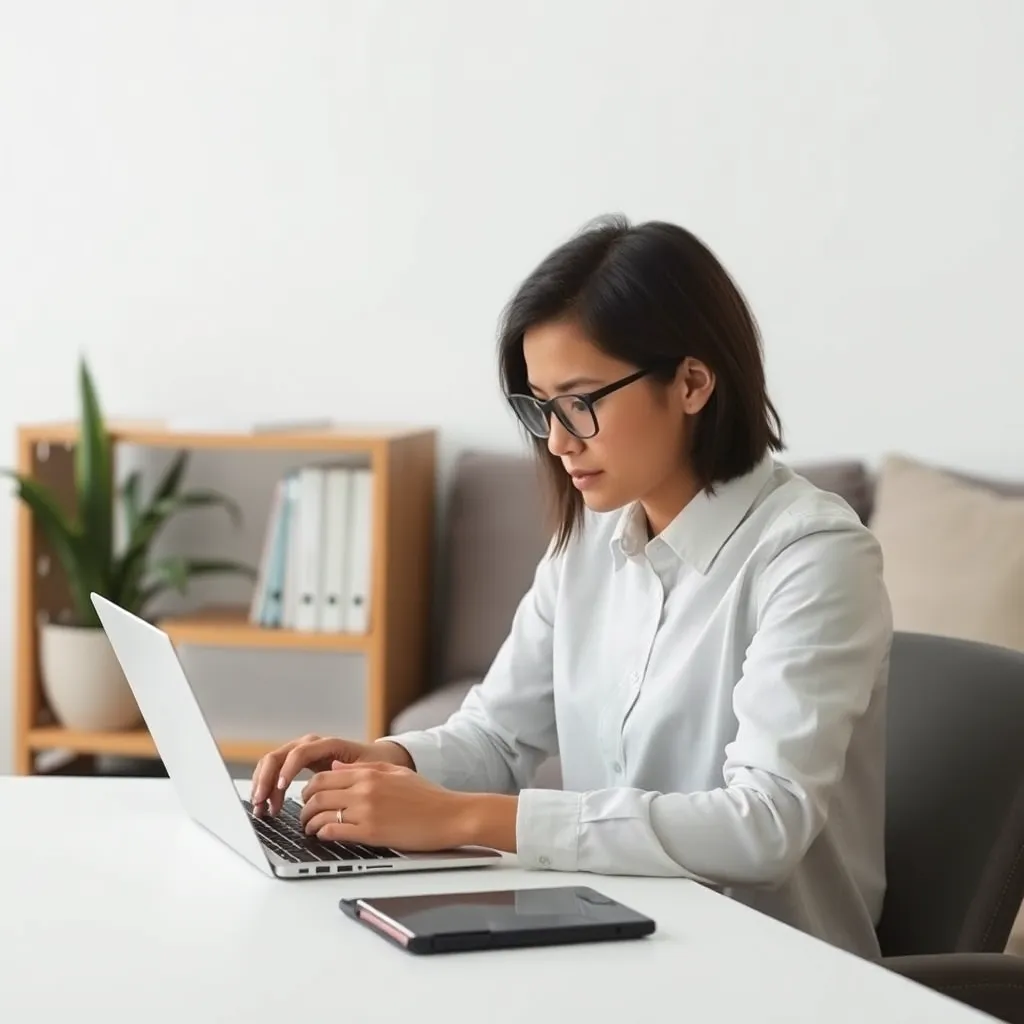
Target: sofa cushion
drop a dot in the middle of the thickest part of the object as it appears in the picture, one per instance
(431, 709)
(495, 534)
(953, 551)
(846, 477)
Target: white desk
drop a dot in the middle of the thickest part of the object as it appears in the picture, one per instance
(115, 907)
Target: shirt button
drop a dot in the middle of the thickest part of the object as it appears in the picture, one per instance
(544, 861)
(617, 768)
(634, 676)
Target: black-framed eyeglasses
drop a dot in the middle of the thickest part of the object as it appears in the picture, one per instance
(574, 411)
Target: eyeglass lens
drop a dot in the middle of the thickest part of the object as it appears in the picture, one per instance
(573, 413)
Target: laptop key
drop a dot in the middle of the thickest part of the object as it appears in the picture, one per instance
(285, 854)
(284, 834)
(307, 856)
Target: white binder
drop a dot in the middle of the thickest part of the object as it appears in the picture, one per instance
(289, 556)
(309, 553)
(360, 552)
(337, 514)
(259, 606)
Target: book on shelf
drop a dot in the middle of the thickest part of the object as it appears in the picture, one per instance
(315, 567)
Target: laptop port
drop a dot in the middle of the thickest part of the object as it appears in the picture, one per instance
(303, 871)
(323, 871)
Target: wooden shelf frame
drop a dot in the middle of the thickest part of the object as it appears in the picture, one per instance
(395, 649)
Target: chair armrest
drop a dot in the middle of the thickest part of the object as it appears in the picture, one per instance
(990, 982)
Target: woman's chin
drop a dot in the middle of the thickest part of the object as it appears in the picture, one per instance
(600, 500)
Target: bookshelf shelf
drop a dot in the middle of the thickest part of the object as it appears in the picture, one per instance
(131, 743)
(230, 627)
(402, 461)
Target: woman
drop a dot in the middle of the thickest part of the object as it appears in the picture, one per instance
(705, 644)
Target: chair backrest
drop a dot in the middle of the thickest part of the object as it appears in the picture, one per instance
(955, 796)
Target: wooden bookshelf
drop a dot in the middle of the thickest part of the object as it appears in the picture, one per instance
(395, 649)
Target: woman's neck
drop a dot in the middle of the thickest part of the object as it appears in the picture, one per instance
(665, 503)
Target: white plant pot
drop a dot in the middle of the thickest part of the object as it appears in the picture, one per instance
(83, 681)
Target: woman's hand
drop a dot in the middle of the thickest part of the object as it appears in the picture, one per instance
(386, 805)
(276, 770)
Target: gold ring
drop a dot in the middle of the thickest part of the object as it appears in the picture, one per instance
(340, 818)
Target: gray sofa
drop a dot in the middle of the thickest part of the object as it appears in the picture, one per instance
(494, 534)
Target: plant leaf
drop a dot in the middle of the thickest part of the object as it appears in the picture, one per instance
(129, 569)
(171, 480)
(130, 497)
(93, 479)
(155, 515)
(175, 572)
(65, 539)
(197, 499)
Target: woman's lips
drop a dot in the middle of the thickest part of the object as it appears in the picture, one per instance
(583, 479)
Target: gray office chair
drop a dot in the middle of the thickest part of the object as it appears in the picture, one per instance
(955, 819)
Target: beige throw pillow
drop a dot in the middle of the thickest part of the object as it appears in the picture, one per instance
(954, 554)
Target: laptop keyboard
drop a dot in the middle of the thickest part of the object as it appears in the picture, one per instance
(283, 834)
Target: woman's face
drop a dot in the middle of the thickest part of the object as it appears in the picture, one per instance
(639, 451)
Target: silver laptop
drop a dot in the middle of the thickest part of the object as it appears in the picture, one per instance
(276, 845)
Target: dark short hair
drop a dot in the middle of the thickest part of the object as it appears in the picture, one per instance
(651, 295)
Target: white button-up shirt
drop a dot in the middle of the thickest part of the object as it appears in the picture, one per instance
(716, 695)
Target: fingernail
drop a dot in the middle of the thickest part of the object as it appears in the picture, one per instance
(281, 783)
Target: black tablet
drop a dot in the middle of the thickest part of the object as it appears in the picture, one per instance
(456, 921)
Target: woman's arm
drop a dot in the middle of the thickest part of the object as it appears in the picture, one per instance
(822, 640)
(505, 727)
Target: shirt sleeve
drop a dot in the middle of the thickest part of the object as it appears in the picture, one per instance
(505, 728)
(822, 640)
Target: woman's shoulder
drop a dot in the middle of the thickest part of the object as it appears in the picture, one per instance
(816, 536)
(799, 507)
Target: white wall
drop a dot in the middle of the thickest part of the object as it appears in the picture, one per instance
(253, 209)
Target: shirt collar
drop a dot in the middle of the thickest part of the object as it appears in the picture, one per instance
(701, 529)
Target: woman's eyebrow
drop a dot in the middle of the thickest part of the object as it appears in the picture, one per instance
(572, 384)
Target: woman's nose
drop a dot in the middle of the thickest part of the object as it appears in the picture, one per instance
(560, 441)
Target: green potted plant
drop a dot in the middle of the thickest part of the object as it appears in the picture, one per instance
(82, 680)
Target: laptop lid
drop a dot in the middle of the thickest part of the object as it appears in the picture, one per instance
(179, 729)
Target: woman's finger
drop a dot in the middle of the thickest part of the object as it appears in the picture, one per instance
(338, 778)
(268, 768)
(254, 787)
(385, 767)
(332, 832)
(325, 800)
(263, 776)
(322, 819)
(301, 756)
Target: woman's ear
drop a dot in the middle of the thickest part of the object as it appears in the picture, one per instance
(696, 382)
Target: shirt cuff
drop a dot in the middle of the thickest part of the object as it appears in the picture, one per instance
(548, 829)
(425, 751)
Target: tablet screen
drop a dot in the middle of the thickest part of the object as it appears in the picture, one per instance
(503, 910)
